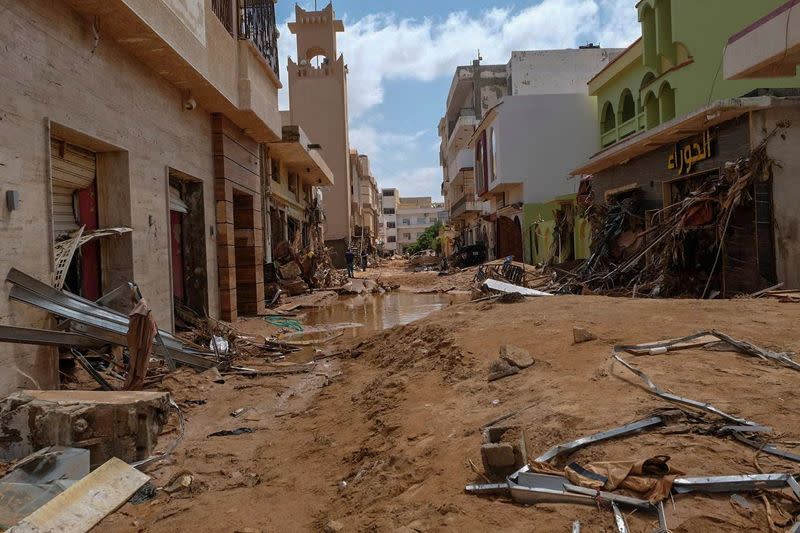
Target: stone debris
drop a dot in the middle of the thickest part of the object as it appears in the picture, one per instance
(516, 356)
(582, 335)
(109, 424)
(500, 368)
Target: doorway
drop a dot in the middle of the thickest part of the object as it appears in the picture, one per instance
(188, 243)
(509, 238)
(74, 200)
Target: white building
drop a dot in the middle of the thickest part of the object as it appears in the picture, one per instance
(405, 219)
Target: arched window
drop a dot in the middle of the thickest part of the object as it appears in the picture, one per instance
(651, 111)
(627, 106)
(316, 57)
(609, 120)
(666, 100)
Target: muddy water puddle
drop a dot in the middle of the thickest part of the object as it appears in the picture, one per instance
(364, 315)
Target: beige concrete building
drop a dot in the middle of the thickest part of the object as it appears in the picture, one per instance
(364, 196)
(156, 115)
(475, 89)
(414, 215)
(318, 102)
(296, 172)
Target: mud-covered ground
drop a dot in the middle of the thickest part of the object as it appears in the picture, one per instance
(380, 439)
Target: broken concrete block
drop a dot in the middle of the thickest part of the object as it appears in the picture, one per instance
(516, 356)
(109, 424)
(497, 455)
(582, 335)
(501, 368)
(334, 527)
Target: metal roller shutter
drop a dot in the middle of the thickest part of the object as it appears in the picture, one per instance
(73, 168)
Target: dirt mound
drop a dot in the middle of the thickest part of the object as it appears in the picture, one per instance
(418, 348)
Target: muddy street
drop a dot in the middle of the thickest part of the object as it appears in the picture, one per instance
(386, 435)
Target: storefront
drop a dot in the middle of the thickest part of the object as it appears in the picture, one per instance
(679, 183)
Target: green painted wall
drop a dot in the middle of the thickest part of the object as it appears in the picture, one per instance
(691, 33)
(539, 224)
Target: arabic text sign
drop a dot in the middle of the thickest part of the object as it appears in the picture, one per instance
(685, 155)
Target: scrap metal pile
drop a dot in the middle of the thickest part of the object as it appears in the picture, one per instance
(674, 251)
(643, 485)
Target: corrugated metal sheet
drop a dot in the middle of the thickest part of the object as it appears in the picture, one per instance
(73, 169)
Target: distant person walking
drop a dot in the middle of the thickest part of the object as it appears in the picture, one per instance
(364, 258)
(350, 257)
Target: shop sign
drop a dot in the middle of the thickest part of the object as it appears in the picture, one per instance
(686, 154)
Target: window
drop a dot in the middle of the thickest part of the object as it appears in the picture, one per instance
(388, 211)
(609, 120)
(407, 236)
(275, 166)
(493, 164)
(391, 225)
(293, 179)
(406, 221)
(388, 193)
(391, 238)
(422, 220)
(628, 107)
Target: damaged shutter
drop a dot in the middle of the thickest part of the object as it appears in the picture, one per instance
(73, 169)
(176, 203)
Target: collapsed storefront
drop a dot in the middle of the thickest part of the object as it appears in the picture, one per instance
(700, 206)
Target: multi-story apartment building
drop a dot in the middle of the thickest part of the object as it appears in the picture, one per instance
(364, 196)
(474, 90)
(670, 120)
(503, 153)
(526, 146)
(414, 216)
(390, 201)
(152, 115)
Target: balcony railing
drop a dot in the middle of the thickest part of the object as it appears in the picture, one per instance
(257, 23)
(627, 128)
(463, 205)
(223, 9)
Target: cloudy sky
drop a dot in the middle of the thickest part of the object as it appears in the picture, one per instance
(402, 56)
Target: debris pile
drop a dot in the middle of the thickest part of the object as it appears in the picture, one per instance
(644, 484)
(514, 273)
(677, 250)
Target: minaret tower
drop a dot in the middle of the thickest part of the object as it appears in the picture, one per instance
(318, 104)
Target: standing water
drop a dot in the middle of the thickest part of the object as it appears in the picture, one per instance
(363, 315)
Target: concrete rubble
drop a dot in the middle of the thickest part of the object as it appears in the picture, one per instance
(120, 424)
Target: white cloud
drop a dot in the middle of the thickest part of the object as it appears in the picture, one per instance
(421, 181)
(381, 46)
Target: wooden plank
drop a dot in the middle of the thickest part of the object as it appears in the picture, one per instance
(82, 506)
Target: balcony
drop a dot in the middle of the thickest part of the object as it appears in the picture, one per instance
(463, 206)
(225, 64)
(257, 23)
(461, 129)
(626, 129)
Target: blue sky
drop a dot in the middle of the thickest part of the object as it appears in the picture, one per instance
(402, 56)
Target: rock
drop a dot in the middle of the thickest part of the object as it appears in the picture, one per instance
(511, 298)
(500, 368)
(370, 286)
(213, 375)
(516, 356)
(290, 271)
(582, 335)
(117, 424)
(497, 455)
(334, 526)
